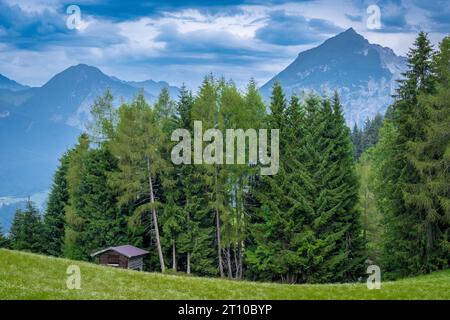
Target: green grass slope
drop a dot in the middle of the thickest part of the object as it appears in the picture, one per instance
(31, 276)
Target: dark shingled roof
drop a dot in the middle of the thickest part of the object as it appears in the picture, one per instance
(126, 250)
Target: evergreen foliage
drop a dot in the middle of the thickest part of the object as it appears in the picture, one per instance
(405, 158)
(54, 214)
(27, 230)
(366, 137)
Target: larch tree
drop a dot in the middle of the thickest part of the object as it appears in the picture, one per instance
(136, 145)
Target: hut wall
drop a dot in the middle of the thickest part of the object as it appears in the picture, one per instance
(113, 259)
(136, 263)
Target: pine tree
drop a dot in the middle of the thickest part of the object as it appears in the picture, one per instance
(27, 230)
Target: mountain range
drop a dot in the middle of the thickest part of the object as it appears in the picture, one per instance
(38, 124)
(364, 74)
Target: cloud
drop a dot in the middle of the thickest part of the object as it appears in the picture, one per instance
(23, 28)
(437, 14)
(354, 18)
(204, 41)
(120, 11)
(393, 16)
(180, 41)
(284, 29)
(37, 29)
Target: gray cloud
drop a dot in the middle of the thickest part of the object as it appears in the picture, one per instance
(284, 29)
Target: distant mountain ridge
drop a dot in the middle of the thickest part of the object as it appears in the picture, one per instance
(6, 83)
(364, 74)
(67, 96)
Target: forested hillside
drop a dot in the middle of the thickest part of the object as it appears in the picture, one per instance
(333, 207)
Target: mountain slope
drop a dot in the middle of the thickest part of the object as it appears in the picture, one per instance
(12, 85)
(31, 276)
(364, 74)
(67, 97)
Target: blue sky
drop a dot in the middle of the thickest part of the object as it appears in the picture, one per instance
(181, 41)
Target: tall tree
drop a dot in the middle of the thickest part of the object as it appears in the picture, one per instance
(136, 145)
(207, 110)
(171, 217)
(429, 194)
(196, 240)
(95, 203)
(405, 245)
(278, 217)
(54, 214)
(74, 223)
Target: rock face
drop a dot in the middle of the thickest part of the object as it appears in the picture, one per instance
(364, 74)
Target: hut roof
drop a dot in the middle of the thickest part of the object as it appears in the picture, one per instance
(127, 250)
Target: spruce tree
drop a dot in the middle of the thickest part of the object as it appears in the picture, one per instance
(95, 203)
(429, 194)
(338, 218)
(405, 244)
(206, 109)
(54, 214)
(27, 230)
(275, 229)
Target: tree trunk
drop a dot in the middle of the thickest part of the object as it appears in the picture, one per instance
(155, 218)
(236, 263)
(188, 271)
(241, 267)
(188, 263)
(219, 250)
(174, 257)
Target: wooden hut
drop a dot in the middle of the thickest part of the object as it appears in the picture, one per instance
(125, 257)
